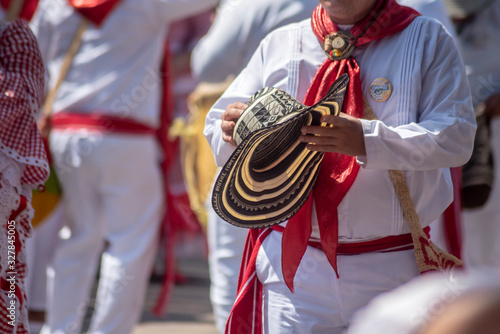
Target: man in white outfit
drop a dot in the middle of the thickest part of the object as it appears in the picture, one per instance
(224, 51)
(425, 126)
(478, 26)
(103, 143)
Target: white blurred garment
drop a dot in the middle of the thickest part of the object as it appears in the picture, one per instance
(480, 46)
(112, 185)
(320, 304)
(410, 307)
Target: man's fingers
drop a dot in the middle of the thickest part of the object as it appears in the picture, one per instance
(233, 111)
(229, 118)
(227, 126)
(228, 139)
(318, 140)
(322, 148)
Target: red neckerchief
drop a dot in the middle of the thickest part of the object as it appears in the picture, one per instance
(29, 8)
(337, 172)
(94, 10)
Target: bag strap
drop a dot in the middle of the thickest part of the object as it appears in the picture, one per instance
(14, 10)
(429, 256)
(66, 64)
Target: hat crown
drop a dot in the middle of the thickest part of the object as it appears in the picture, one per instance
(271, 173)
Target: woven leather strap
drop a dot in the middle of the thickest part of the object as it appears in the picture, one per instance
(66, 64)
(429, 256)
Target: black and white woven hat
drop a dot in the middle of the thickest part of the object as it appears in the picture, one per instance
(271, 173)
(460, 9)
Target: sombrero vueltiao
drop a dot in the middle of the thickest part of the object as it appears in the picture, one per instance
(269, 176)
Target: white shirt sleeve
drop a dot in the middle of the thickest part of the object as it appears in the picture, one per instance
(242, 88)
(443, 134)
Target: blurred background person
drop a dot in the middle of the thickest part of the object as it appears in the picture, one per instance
(105, 117)
(477, 25)
(466, 302)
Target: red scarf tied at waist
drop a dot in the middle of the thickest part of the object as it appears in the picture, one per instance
(337, 172)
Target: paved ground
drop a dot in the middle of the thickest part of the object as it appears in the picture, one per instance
(189, 308)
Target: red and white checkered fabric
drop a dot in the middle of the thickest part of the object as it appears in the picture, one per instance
(21, 95)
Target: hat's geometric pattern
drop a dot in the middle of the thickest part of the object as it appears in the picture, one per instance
(269, 176)
(264, 109)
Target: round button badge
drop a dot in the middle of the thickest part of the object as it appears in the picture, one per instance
(380, 89)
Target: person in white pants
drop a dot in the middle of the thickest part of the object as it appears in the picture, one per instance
(425, 125)
(106, 155)
(225, 51)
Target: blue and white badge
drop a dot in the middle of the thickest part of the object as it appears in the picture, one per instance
(380, 89)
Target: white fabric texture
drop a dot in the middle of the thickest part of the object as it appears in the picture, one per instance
(480, 46)
(40, 252)
(105, 213)
(407, 309)
(117, 70)
(321, 303)
(236, 32)
(431, 8)
(437, 10)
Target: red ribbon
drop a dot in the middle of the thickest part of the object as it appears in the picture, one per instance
(95, 11)
(337, 172)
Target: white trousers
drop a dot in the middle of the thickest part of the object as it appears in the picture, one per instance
(225, 243)
(114, 202)
(322, 303)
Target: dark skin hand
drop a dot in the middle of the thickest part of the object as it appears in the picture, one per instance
(342, 134)
(229, 118)
(492, 106)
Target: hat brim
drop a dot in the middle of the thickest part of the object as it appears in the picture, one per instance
(270, 175)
